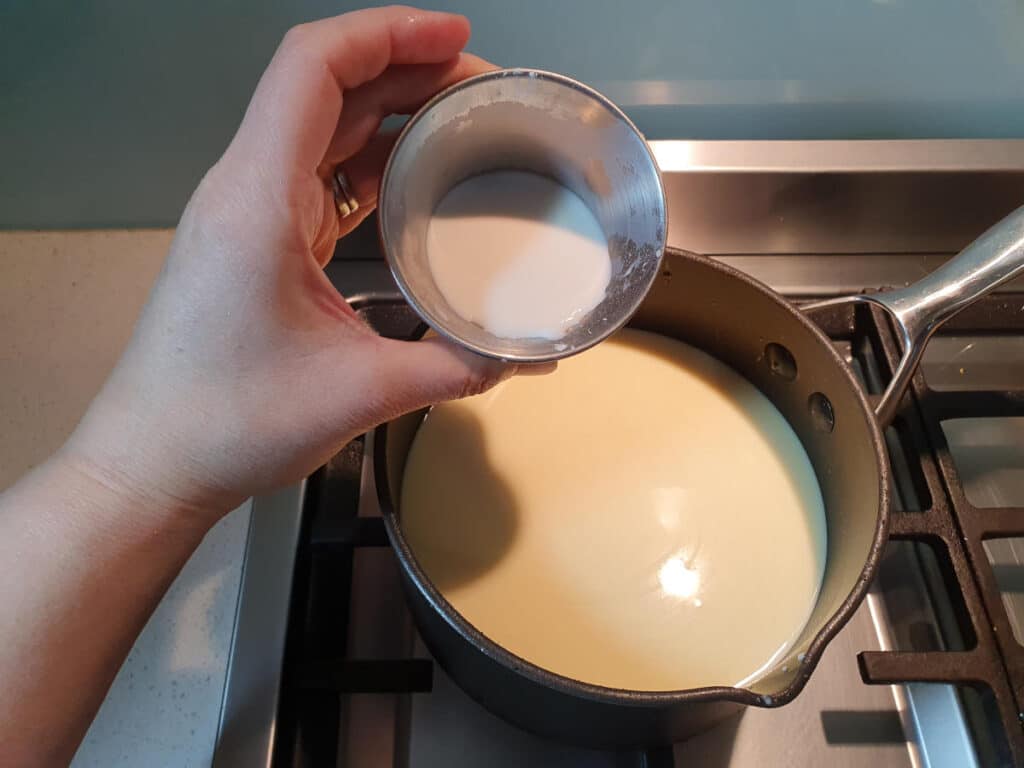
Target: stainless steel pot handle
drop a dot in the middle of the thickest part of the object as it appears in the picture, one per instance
(919, 309)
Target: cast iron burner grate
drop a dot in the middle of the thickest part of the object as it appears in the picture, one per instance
(951, 525)
(317, 674)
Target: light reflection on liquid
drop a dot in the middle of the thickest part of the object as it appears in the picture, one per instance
(679, 580)
(670, 507)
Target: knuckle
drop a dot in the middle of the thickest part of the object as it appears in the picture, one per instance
(297, 37)
(476, 382)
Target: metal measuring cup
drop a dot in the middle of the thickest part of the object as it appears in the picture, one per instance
(529, 120)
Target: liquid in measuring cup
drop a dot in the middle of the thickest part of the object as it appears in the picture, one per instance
(518, 254)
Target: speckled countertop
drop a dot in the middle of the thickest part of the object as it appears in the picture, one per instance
(67, 304)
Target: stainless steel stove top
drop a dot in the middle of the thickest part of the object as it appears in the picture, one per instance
(811, 219)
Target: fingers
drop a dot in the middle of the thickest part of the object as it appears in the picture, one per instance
(400, 90)
(536, 369)
(364, 171)
(415, 374)
(294, 112)
(396, 377)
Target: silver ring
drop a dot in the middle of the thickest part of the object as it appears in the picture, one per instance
(344, 200)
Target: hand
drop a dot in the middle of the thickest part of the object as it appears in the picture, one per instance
(247, 369)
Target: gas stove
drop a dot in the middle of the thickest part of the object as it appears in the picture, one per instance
(326, 667)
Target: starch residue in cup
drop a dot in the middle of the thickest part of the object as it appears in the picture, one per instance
(518, 254)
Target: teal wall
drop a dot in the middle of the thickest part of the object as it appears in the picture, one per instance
(110, 110)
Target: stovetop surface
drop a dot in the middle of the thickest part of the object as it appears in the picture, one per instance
(810, 219)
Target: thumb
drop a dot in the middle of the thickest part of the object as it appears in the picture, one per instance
(414, 374)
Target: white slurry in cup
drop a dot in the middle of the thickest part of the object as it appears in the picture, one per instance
(518, 254)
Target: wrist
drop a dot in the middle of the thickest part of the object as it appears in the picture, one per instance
(116, 487)
(63, 498)
(146, 454)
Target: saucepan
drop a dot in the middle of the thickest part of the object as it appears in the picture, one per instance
(772, 343)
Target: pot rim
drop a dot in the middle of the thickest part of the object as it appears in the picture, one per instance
(639, 698)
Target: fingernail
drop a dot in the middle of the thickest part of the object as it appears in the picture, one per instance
(536, 369)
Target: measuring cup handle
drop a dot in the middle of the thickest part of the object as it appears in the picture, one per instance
(920, 308)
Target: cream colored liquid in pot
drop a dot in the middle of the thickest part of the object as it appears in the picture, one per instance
(643, 518)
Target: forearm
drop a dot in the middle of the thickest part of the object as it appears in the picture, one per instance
(84, 566)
